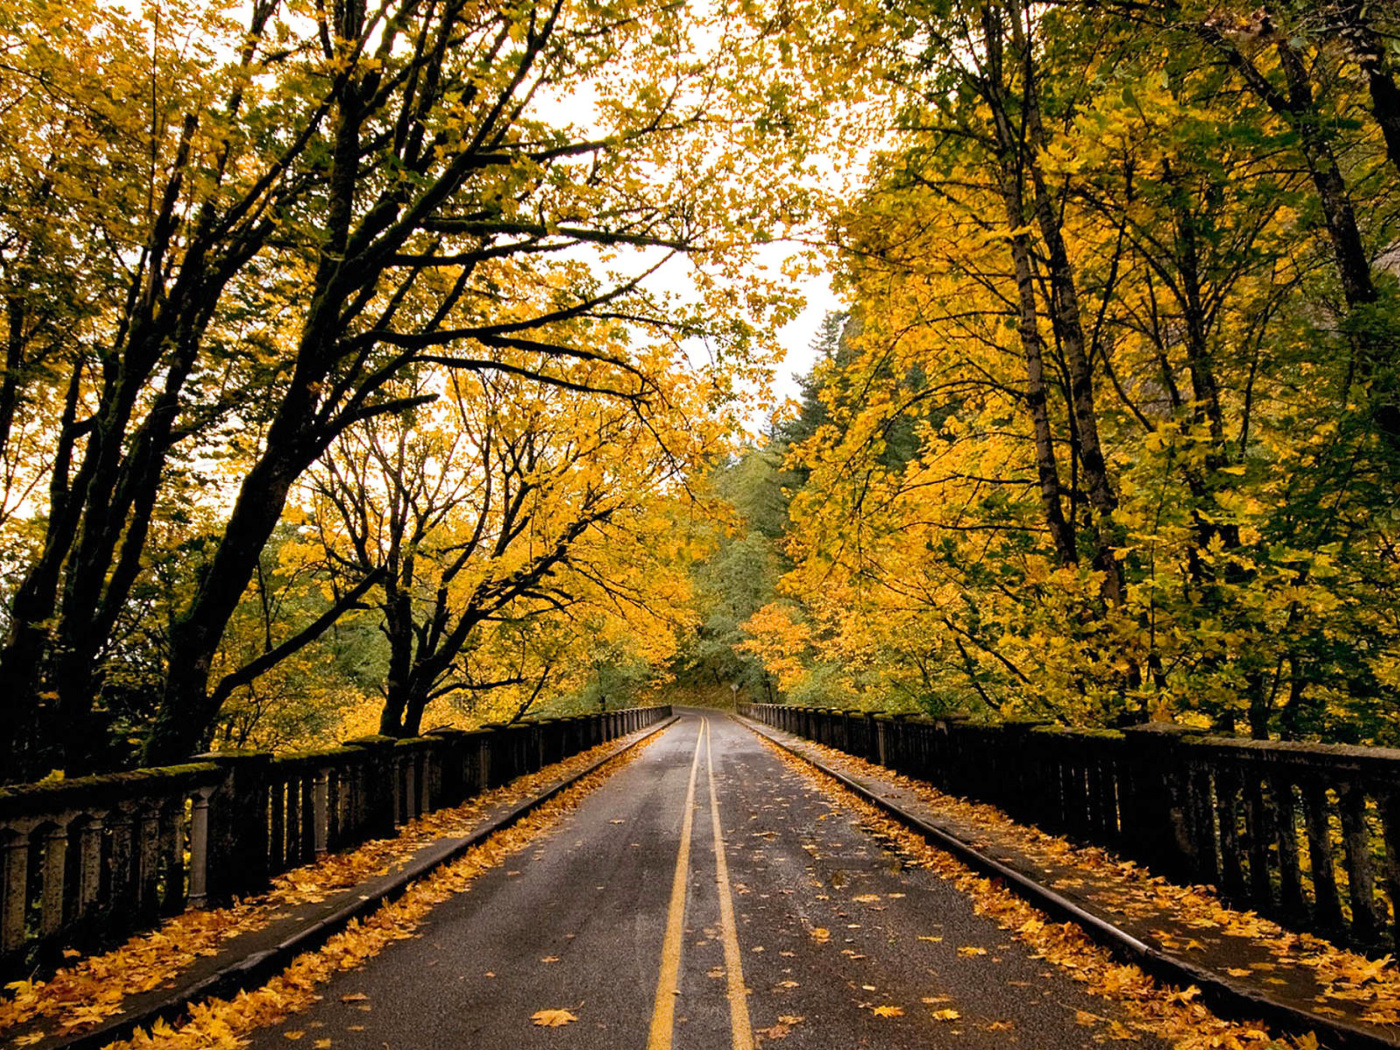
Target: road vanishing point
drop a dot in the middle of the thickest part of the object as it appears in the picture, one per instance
(707, 896)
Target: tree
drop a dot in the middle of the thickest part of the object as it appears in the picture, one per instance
(1082, 238)
(500, 504)
(277, 221)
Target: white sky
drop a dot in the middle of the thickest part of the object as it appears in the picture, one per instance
(796, 337)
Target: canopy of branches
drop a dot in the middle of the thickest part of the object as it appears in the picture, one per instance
(380, 363)
(1114, 434)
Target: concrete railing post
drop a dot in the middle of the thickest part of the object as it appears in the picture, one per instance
(497, 759)
(1156, 808)
(237, 838)
(381, 784)
(453, 752)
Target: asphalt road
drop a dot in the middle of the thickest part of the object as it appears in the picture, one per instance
(777, 920)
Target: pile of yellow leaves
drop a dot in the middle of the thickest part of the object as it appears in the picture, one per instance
(94, 989)
(1173, 1015)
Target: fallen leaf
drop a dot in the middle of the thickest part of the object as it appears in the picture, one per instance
(821, 935)
(887, 1011)
(946, 1015)
(354, 997)
(552, 1018)
(970, 951)
(1118, 1030)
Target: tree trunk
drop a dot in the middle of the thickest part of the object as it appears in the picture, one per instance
(1028, 326)
(1369, 49)
(1376, 356)
(185, 713)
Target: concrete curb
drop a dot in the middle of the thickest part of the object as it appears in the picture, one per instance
(258, 968)
(1224, 996)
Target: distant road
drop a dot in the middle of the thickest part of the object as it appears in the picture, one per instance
(706, 896)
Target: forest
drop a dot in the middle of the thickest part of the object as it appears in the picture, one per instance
(382, 365)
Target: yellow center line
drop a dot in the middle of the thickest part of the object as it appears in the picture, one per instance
(663, 1014)
(739, 1025)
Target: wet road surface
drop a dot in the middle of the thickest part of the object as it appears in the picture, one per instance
(706, 896)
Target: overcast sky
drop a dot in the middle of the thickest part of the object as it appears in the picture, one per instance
(796, 337)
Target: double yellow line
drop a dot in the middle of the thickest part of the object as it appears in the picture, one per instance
(663, 1016)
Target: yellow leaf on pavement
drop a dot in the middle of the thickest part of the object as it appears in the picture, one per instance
(552, 1018)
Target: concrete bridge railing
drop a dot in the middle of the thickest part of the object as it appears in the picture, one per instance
(85, 862)
(1307, 834)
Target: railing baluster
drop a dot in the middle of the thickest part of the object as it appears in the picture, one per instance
(1259, 828)
(295, 816)
(172, 847)
(89, 865)
(322, 808)
(14, 888)
(1356, 853)
(1327, 906)
(199, 849)
(146, 830)
(1291, 900)
(53, 844)
(277, 826)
